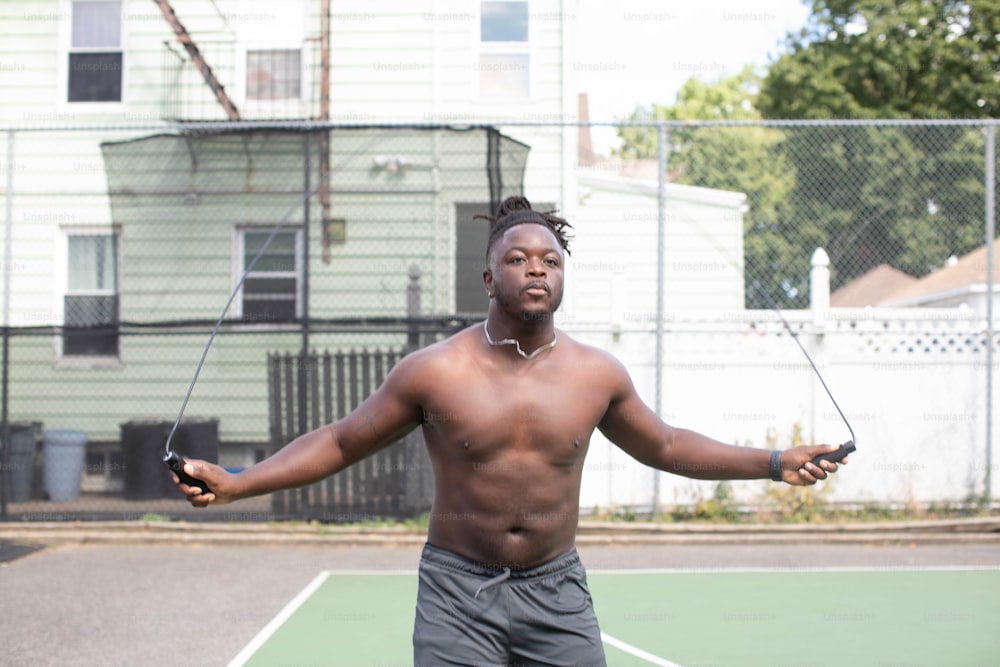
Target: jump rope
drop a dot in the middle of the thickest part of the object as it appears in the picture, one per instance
(845, 448)
(175, 461)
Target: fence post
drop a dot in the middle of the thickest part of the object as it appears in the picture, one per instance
(819, 287)
(413, 308)
(990, 177)
(4, 417)
(819, 305)
(661, 253)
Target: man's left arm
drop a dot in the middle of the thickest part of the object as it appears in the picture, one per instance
(637, 430)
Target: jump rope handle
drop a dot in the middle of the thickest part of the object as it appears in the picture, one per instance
(838, 455)
(176, 463)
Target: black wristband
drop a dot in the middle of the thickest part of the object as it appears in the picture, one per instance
(776, 465)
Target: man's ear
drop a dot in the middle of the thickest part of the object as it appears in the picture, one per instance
(488, 280)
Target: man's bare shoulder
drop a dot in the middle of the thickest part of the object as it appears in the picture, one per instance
(439, 359)
(592, 359)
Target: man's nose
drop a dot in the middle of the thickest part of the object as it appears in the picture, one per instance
(536, 267)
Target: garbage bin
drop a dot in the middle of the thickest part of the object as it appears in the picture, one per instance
(142, 453)
(20, 462)
(64, 452)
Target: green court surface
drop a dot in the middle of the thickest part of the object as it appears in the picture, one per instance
(743, 618)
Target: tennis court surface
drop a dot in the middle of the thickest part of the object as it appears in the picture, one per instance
(215, 604)
(730, 617)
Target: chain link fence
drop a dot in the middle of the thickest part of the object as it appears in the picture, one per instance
(125, 243)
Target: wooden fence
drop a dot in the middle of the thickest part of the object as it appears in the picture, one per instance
(396, 482)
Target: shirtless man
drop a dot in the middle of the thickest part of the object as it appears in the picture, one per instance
(507, 409)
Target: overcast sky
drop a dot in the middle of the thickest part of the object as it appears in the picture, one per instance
(636, 52)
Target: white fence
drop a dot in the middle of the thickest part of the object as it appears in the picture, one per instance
(911, 382)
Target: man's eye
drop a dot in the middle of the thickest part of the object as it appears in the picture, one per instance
(516, 260)
(552, 261)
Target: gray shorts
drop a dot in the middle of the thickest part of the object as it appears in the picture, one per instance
(469, 613)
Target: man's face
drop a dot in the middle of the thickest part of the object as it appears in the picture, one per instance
(525, 272)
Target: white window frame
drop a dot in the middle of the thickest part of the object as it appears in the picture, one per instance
(260, 35)
(66, 48)
(61, 275)
(238, 268)
(492, 48)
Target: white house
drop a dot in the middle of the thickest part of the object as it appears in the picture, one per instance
(83, 78)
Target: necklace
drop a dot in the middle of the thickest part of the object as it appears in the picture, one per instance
(517, 345)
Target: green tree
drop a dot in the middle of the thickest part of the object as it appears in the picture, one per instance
(907, 196)
(747, 159)
(889, 59)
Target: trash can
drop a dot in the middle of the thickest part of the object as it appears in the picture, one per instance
(20, 462)
(64, 452)
(146, 477)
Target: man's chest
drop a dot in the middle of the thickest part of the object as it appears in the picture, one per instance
(481, 414)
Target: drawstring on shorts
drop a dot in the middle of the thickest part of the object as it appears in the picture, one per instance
(500, 578)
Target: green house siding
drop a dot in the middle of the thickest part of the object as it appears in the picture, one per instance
(177, 203)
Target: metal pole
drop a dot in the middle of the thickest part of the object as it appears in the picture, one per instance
(661, 251)
(991, 138)
(304, 352)
(4, 417)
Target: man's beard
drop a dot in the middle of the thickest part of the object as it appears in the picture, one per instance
(507, 304)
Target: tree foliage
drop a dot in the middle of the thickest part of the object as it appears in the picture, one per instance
(889, 59)
(747, 159)
(909, 196)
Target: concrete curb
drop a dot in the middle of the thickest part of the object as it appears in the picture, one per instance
(966, 531)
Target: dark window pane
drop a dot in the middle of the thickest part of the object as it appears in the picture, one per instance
(90, 325)
(97, 342)
(95, 77)
(504, 22)
(269, 300)
(90, 309)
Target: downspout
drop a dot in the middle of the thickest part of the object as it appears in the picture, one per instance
(324, 136)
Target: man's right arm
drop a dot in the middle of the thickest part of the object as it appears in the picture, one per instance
(382, 419)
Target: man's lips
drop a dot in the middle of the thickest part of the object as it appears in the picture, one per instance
(536, 287)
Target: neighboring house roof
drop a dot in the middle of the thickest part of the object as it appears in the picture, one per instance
(871, 288)
(969, 270)
(595, 179)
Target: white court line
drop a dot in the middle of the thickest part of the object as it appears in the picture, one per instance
(637, 652)
(277, 621)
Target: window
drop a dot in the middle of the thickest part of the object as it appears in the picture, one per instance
(90, 305)
(272, 290)
(504, 61)
(95, 53)
(274, 74)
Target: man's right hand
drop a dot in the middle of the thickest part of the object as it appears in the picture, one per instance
(216, 478)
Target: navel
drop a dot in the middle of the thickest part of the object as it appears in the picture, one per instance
(466, 444)
(576, 442)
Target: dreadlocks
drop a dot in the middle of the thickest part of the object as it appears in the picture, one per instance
(517, 210)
